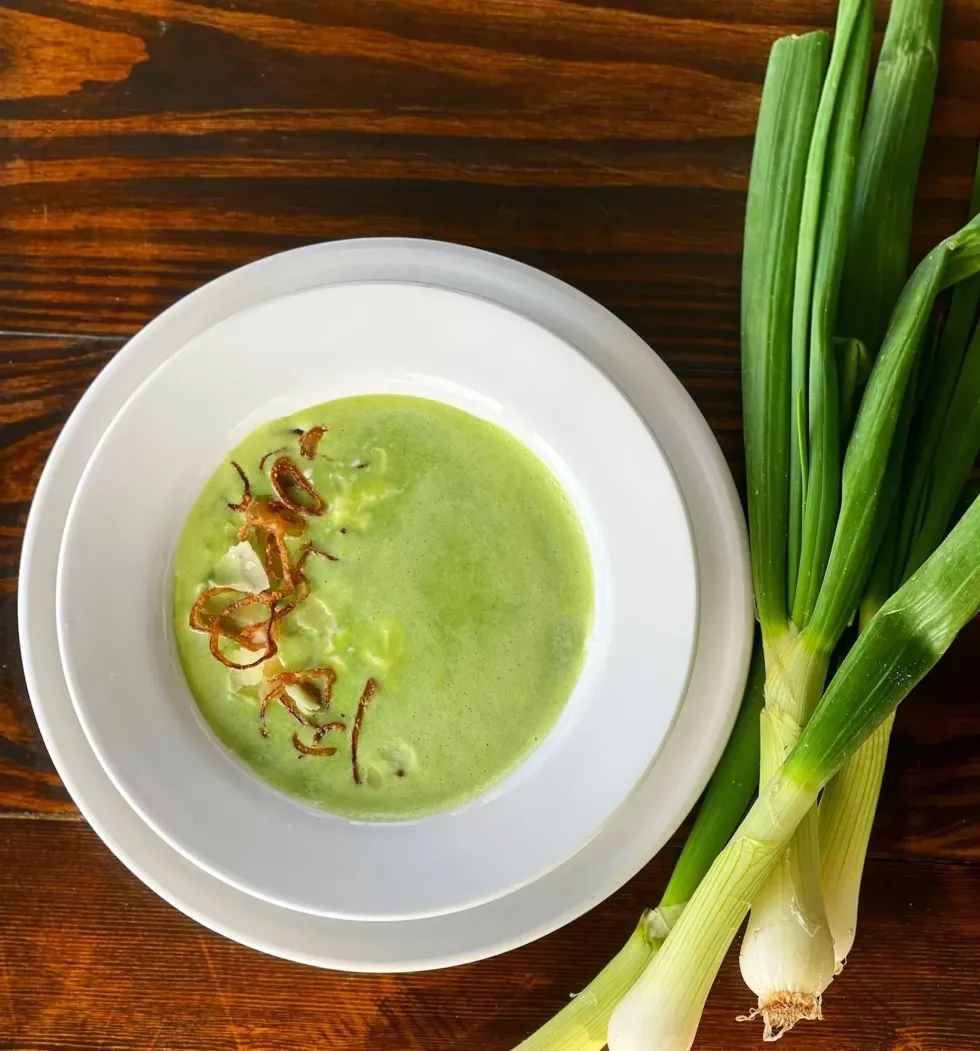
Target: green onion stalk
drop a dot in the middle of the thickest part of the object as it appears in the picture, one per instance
(852, 246)
(801, 384)
(581, 1025)
(900, 644)
(800, 194)
(943, 447)
(867, 501)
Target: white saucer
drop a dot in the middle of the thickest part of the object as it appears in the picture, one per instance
(645, 821)
(115, 597)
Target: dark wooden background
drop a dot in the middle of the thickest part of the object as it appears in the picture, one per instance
(147, 146)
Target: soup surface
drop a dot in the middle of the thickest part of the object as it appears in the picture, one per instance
(381, 604)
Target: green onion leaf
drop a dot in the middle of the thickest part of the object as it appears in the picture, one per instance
(892, 142)
(956, 452)
(868, 459)
(960, 322)
(732, 786)
(904, 639)
(820, 259)
(789, 104)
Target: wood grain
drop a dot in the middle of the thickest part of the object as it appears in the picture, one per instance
(110, 965)
(608, 143)
(41, 380)
(147, 146)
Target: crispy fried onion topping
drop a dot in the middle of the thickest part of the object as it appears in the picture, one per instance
(250, 621)
(310, 441)
(313, 685)
(246, 499)
(355, 737)
(226, 613)
(290, 483)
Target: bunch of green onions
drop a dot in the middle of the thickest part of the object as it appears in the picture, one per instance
(853, 480)
(899, 645)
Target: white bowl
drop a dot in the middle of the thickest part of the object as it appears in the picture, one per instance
(639, 828)
(114, 592)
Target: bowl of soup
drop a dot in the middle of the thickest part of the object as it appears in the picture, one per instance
(377, 600)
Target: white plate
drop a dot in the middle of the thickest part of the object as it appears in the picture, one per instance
(646, 820)
(115, 597)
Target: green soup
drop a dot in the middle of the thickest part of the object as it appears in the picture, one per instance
(421, 566)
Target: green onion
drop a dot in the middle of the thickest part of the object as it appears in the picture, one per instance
(787, 956)
(867, 462)
(959, 444)
(820, 258)
(900, 644)
(789, 104)
(774, 449)
(581, 1025)
(944, 445)
(960, 322)
(847, 810)
(825, 533)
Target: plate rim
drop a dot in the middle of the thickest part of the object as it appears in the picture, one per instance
(587, 325)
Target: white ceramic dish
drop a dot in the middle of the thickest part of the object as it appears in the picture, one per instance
(647, 819)
(114, 597)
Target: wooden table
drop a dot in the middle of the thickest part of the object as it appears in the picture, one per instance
(150, 145)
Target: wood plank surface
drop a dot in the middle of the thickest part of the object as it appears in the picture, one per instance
(106, 964)
(153, 144)
(147, 146)
(41, 380)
